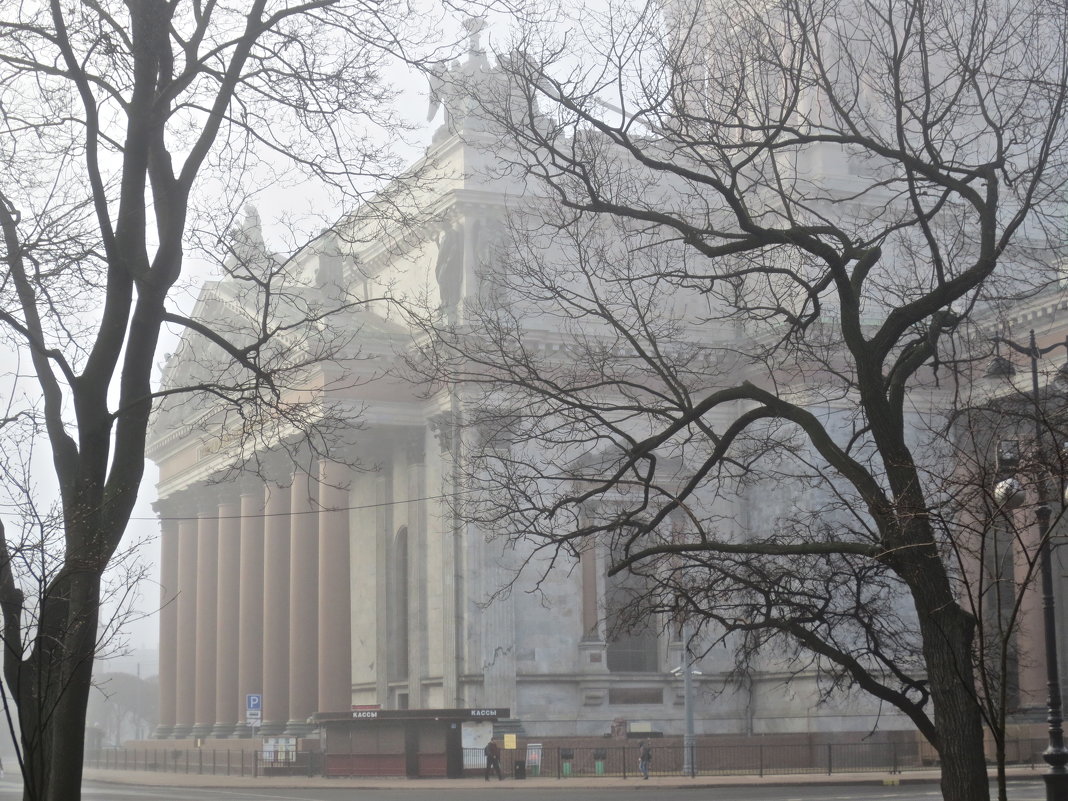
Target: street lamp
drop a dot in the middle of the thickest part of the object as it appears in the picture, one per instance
(1010, 493)
(689, 766)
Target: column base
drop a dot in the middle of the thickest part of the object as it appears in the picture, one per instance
(223, 731)
(181, 732)
(202, 730)
(298, 728)
(243, 732)
(163, 732)
(272, 728)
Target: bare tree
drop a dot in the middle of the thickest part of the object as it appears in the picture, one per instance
(130, 129)
(727, 342)
(123, 705)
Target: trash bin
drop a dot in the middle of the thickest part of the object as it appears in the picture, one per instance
(520, 769)
(566, 755)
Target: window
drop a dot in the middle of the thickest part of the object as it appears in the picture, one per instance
(632, 633)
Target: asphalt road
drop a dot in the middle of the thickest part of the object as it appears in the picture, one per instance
(10, 790)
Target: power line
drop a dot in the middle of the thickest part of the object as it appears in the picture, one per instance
(304, 512)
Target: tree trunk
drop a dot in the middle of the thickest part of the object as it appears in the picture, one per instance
(947, 632)
(54, 688)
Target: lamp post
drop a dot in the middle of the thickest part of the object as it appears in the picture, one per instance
(686, 670)
(1055, 755)
(688, 766)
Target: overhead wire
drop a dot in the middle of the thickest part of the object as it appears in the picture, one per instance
(320, 510)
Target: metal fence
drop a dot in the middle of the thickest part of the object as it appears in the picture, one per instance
(207, 761)
(755, 759)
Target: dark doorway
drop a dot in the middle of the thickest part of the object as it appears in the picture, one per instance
(411, 750)
(454, 752)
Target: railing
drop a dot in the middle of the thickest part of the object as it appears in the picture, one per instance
(207, 761)
(712, 760)
(755, 759)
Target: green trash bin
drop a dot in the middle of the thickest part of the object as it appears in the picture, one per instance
(566, 755)
(599, 756)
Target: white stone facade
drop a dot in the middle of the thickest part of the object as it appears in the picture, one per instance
(365, 590)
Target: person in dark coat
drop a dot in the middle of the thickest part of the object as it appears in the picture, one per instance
(493, 759)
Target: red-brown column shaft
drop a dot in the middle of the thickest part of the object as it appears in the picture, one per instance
(250, 601)
(276, 611)
(185, 663)
(335, 651)
(168, 625)
(303, 600)
(207, 606)
(226, 709)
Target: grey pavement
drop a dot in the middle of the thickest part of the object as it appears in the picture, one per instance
(544, 784)
(410, 791)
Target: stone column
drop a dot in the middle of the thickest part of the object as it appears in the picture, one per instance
(276, 611)
(303, 603)
(250, 600)
(335, 631)
(383, 535)
(418, 635)
(207, 610)
(229, 599)
(185, 664)
(452, 564)
(168, 621)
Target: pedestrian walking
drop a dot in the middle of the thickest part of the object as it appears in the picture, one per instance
(645, 757)
(493, 759)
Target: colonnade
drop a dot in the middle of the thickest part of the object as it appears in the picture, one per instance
(255, 599)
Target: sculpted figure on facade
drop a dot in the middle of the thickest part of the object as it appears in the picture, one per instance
(449, 269)
(451, 87)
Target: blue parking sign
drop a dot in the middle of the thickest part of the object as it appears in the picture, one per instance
(254, 702)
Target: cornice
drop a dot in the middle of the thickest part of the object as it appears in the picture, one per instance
(377, 254)
(1043, 308)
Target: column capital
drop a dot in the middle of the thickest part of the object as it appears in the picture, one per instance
(180, 505)
(208, 504)
(249, 485)
(335, 474)
(442, 425)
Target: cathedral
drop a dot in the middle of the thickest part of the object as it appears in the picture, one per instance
(339, 576)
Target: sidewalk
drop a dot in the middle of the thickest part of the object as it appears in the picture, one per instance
(540, 783)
